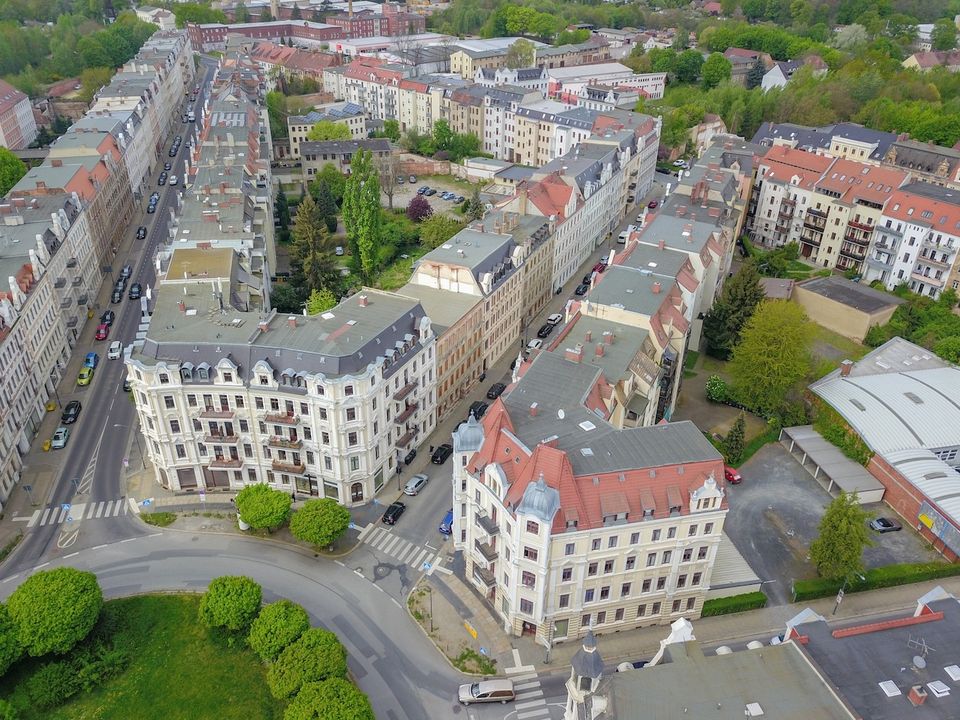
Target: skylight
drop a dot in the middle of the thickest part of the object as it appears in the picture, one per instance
(587, 426)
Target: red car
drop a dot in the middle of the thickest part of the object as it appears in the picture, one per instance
(600, 267)
(652, 204)
(732, 476)
(102, 331)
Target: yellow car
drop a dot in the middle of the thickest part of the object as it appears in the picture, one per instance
(85, 376)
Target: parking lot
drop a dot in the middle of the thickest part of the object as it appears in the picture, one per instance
(774, 516)
(404, 193)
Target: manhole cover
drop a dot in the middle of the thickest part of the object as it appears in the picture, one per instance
(381, 570)
(457, 709)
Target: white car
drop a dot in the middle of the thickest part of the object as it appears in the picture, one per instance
(115, 350)
(415, 484)
(554, 319)
(172, 181)
(623, 237)
(60, 438)
(534, 344)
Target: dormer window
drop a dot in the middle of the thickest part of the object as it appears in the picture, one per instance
(263, 379)
(164, 378)
(533, 527)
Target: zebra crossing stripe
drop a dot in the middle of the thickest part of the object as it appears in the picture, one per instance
(99, 509)
(388, 547)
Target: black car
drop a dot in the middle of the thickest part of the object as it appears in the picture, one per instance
(582, 289)
(121, 285)
(107, 318)
(173, 151)
(135, 291)
(151, 208)
(587, 278)
(545, 330)
(167, 166)
(126, 384)
(162, 180)
(478, 408)
(410, 456)
(116, 296)
(141, 232)
(70, 413)
(885, 525)
(496, 390)
(393, 513)
(429, 192)
(441, 454)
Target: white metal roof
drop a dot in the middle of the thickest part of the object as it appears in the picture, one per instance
(931, 476)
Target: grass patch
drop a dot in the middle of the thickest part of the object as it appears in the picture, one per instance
(756, 442)
(160, 519)
(690, 359)
(470, 661)
(850, 349)
(8, 548)
(734, 604)
(176, 671)
(447, 180)
(397, 274)
(876, 578)
(711, 365)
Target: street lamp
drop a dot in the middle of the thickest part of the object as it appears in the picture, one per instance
(136, 438)
(841, 592)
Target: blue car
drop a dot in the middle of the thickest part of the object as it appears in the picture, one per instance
(91, 360)
(446, 527)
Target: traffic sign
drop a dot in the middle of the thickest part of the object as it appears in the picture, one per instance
(425, 566)
(483, 651)
(352, 526)
(65, 507)
(147, 502)
(126, 462)
(69, 518)
(28, 488)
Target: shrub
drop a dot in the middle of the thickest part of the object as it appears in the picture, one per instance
(231, 602)
(320, 522)
(8, 711)
(419, 209)
(260, 506)
(836, 431)
(55, 609)
(10, 647)
(734, 604)
(876, 578)
(160, 519)
(53, 684)
(277, 625)
(334, 699)
(717, 390)
(316, 655)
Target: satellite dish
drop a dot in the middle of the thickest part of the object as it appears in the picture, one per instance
(918, 662)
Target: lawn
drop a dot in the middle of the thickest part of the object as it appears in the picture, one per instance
(850, 349)
(177, 672)
(397, 274)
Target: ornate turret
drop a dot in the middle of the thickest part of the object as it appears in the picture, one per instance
(586, 669)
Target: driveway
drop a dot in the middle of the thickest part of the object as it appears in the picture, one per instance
(774, 517)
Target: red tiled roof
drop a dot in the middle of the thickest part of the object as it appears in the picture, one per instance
(854, 180)
(551, 195)
(784, 163)
(941, 216)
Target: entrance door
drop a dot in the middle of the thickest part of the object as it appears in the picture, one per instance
(356, 492)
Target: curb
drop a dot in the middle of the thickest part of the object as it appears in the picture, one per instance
(432, 641)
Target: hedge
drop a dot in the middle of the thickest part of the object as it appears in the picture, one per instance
(882, 577)
(734, 604)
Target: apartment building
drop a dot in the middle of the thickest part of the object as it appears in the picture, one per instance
(564, 83)
(534, 78)
(567, 523)
(595, 50)
(354, 117)
(47, 253)
(18, 127)
(469, 56)
(339, 153)
(280, 63)
(847, 140)
(207, 37)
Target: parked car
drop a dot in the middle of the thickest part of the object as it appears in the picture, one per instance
(423, 190)
(413, 179)
(136, 290)
(60, 438)
(459, 199)
(408, 458)
(107, 318)
(496, 390)
(71, 412)
(162, 180)
(115, 350)
(623, 237)
(441, 454)
(116, 296)
(102, 331)
(885, 525)
(91, 360)
(555, 318)
(430, 192)
(478, 408)
(126, 271)
(731, 475)
(85, 376)
(126, 384)
(154, 197)
(534, 344)
(151, 208)
(393, 513)
(631, 199)
(582, 289)
(600, 267)
(487, 691)
(338, 251)
(446, 525)
(141, 232)
(401, 179)
(173, 180)
(545, 330)
(652, 204)
(167, 166)
(173, 151)
(415, 484)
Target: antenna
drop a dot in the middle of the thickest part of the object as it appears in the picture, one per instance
(919, 644)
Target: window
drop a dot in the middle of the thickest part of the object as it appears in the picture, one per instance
(601, 618)
(661, 582)
(568, 550)
(348, 390)
(351, 439)
(168, 402)
(625, 590)
(691, 531)
(175, 427)
(702, 553)
(682, 581)
(671, 533)
(533, 527)
(585, 620)
(244, 426)
(631, 562)
(181, 451)
(164, 378)
(691, 602)
(351, 414)
(238, 400)
(651, 559)
(618, 615)
(608, 567)
(676, 606)
(322, 412)
(612, 541)
(708, 529)
(303, 409)
(530, 553)
(258, 403)
(247, 450)
(641, 610)
(592, 568)
(588, 595)
(656, 535)
(325, 438)
(566, 575)
(528, 579)
(605, 592)
(565, 600)
(228, 377)
(526, 607)
(595, 544)
(687, 555)
(192, 400)
(354, 463)
(667, 556)
(645, 587)
(655, 609)
(696, 579)
(634, 538)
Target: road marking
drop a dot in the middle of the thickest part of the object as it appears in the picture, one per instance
(34, 518)
(366, 529)
(389, 546)
(99, 509)
(118, 508)
(99, 547)
(73, 554)
(46, 512)
(441, 568)
(41, 565)
(357, 572)
(6, 580)
(428, 545)
(528, 669)
(539, 712)
(529, 705)
(516, 658)
(396, 603)
(92, 510)
(526, 685)
(339, 563)
(128, 540)
(533, 693)
(420, 559)
(22, 518)
(106, 513)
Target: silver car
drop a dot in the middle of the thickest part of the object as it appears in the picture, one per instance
(487, 691)
(60, 438)
(415, 484)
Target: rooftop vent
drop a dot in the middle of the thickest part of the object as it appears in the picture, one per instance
(857, 404)
(586, 452)
(587, 426)
(912, 397)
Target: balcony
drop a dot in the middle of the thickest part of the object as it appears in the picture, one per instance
(82, 300)
(853, 251)
(282, 418)
(404, 391)
(854, 237)
(809, 240)
(77, 281)
(72, 262)
(484, 576)
(816, 213)
(221, 439)
(225, 462)
(860, 226)
(60, 282)
(289, 467)
(486, 549)
(931, 260)
(282, 442)
(488, 525)
(875, 261)
(812, 225)
(927, 279)
(406, 439)
(406, 414)
(788, 201)
(66, 302)
(222, 414)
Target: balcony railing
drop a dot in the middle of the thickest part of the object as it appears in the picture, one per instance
(221, 439)
(810, 240)
(813, 226)
(282, 418)
(289, 467)
(854, 237)
(931, 260)
(406, 414)
(486, 549)
(404, 391)
(861, 225)
(488, 525)
(214, 414)
(816, 213)
(406, 439)
(484, 576)
(282, 442)
(927, 279)
(853, 251)
(875, 261)
(226, 462)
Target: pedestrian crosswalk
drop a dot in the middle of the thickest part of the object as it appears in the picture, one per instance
(529, 704)
(396, 547)
(77, 512)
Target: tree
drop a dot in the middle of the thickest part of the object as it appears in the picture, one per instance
(320, 522)
(311, 247)
(391, 130)
(443, 135)
(287, 298)
(320, 301)
(261, 506)
(282, 207)
(9, 711)
(277, 626)
(11, 170)
(740, 296)
(388, 169)
(944, 35)
(329, 130)
(437, 229)
(10, 647)
(756, 73)
(231, 602)
(92, 79)
(196, 13)
(733, 442)
(949, 349)
(521, 54)
(316, 655)
(53, 610)
(850, 38)
(473, 207)
(295, 14)
(265, 15)
(361, 213)
(333, 699)
(277, 113)
(688, 65)
(418, 209)
(336, 183)
(772, 356)
(241, 14)
(715, 70)
(838, 550)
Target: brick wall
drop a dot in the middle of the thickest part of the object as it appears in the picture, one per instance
(424, 167)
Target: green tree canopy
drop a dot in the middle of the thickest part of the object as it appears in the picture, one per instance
(10, 647)
(197, 13)
(320, 522)
(329, 130)
(361, 213)
(315, 656)
(231, 602)
(437, 229)
(944, 35)
(772, 357)
(287, 298)
(688, 65)
(740, 296)
(838, 550)
(241, 14)
(261, 506)
(312, 254)
(756, 73)
(391, 129)
(277, 626)
(53, 610)
(320, 301)
(335, 181)
(520, 54)
(333, 699)
(92, 79)
(12, 170)
(716, 69)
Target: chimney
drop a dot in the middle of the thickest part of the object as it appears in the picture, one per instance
(608, 337)
(662, 244)
(523, 200)
(656, 288)
(263, 325)
(292, 321)
(845, 367)
(56, 162)
(574, 354)
(182, 305)
(599, 349)
(534, 409)
(917, 695)
(589, 335)
(362, 301)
